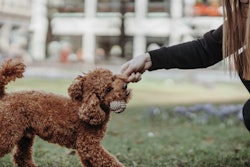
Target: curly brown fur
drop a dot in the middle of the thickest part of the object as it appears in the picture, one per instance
(9, 71)
(78, 122)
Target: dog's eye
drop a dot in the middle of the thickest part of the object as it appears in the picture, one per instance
(108, 89)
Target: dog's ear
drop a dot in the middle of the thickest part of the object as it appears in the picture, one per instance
(91, 112)
(75, 90)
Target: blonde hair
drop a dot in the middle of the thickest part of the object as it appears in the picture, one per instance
(236, 37)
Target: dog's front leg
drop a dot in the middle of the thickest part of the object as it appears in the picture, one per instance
(97, 156)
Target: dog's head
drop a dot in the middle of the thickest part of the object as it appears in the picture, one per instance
(99, 92)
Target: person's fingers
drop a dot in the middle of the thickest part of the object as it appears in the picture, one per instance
(137, 77)
(131, 78)
(128, 68)
(124, 67)
(134, 77)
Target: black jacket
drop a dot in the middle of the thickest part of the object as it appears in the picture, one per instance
(200, 53)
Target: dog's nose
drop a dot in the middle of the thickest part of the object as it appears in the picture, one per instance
(124, 86)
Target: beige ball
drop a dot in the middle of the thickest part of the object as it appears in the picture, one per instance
(117, 106)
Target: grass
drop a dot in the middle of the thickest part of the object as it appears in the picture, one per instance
(139, 139)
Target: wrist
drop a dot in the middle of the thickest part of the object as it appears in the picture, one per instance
(148, 61)
(147, 55)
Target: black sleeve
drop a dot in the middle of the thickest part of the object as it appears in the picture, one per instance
(246, 83)
(199, 53)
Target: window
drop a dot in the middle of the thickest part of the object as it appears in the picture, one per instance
(72, 6)
(159, 6)
(115, 6)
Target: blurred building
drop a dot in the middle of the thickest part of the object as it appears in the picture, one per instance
(97, 30)
(14, 28)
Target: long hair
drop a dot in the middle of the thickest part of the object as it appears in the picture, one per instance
(236, 37)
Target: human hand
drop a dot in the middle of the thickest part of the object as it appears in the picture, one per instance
(134, 68)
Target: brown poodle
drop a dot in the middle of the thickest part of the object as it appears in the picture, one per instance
(78, 122)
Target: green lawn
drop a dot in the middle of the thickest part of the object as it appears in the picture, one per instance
(164, 140)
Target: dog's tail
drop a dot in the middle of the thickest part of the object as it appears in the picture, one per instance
(9, 71)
